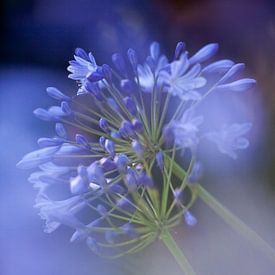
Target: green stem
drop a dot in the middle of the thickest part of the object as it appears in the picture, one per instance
(172, 246)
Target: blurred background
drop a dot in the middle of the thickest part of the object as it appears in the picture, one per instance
(38, 38)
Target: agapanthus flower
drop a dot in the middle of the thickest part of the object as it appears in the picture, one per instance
(115, 155)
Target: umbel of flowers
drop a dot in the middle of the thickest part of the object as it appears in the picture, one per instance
(116, 142)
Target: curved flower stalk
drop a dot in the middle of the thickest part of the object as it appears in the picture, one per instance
(115, 148)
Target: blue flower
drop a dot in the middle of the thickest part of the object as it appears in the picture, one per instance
(83, 65)
(186, 129)
(183, 80)
(230, 138)
(60, 212)
(107, 155)
(149, 73)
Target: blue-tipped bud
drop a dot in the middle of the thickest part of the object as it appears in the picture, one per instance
(189, 218)
(112, 104)
(129, 230)
(145, 180)
(160, 160)
(179, 49)
(196, 173)
(95, 76)
(107, 164)
(92, 244)
(154, 50)
(132, 56)
(104, 125)
(130, 105)
(138, 149)
(43, 114)
(60, 130)
(127, 129)
(96, 174)
(107, 72)
(128, 86)
(116, 188)
(81, 53)
(126, 205)
(119, 63)
(131, 181)
(57, 94)
(121, 162)
(94, 90)
(46, 142)
(110, 147)
(115, 135)
(138, 126)
(66, 108)
(81, 140)
(204, 53)
(168, 134)
(178, 195)
(101, 209)
(101, 142)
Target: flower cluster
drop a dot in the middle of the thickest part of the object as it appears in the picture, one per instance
(115, 146)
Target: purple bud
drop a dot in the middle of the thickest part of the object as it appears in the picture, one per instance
(43, 114)
(131, 182)
(154, 50)
(128, 86)
(46, 142)
(66, 108)
(112, 104)
(117, 188)
(81, 140)
(179, 49)
(115, 135)
(56, 94)
(121, 162)
(160, 160)
(107, 164)
(168, 134)
(96, 174)
(95, 76)
(189, 218)
(145, 180)
(132, 56)
(138, 148)
(104, 125)
(94, 90)
(102, 142)
(110, 147)
(130, 105)
(107, 72)
(138, 125)
(127, 128)
(119, 62)
(81, 53)
(60, 130)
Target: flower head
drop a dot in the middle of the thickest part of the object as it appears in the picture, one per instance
(116, 163)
